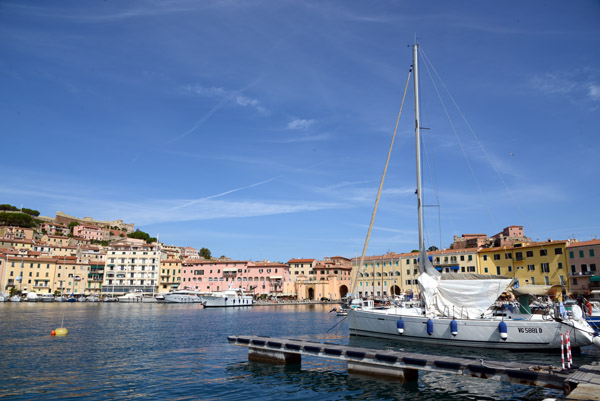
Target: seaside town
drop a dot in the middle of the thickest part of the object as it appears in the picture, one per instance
(82, 258)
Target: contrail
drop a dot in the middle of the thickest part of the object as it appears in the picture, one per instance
(222, 194)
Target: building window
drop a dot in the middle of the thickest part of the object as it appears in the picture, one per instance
(558, 251)
(584, 268)
(484, 257)
(592, 267)
(532, 280)
(574, 280)
(573, 270)
(562, 280)
(547, 280)
(529, 254)
(531, 267)
(519, 255)
(560, 265)
(543, 252)
(496, 256)
(591, 252)
(509, 269)
(497, 270)
(545, 268)
(581, 254)
(508, 255)
(571, 254)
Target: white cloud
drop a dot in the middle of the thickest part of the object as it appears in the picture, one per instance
(226, 95)
(304, 138)
(300, 124)
(580, 84)
(594, 91)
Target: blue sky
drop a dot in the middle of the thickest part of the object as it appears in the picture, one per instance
(259, 129)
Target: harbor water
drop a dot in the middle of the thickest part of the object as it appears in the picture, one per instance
(180, 352)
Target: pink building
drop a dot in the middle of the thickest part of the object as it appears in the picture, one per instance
(55, 229)
(212, 275)
(90, 232)
(584, 261)
(189, 253)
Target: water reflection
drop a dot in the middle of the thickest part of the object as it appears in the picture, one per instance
(166, 352)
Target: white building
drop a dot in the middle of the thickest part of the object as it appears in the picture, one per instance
(131, 265)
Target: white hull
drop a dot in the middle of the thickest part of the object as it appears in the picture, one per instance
(227, 301)
(528, 334)
(130, 298)
(174, 298)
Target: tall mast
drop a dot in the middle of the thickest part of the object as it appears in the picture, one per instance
(422, 254)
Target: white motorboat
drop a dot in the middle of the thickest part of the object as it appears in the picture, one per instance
(458, 309)
(31, 297)
(228, 298)
(182, 297)
(131, 297)
(16, 298)
(92, 298)
(45, 298)
(4, 297)
(60, 298)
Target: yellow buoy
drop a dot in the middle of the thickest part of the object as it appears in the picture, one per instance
(61, 331)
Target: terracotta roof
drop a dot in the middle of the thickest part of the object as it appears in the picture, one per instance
(301, 260)
(584, 243)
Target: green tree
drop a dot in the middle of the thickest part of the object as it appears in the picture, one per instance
(432, 248)
(16, 219)
(205, 253)
(30, 212)
(9, 208)
(138, 234)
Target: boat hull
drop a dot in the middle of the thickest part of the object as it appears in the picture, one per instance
(221, 302)
(181, 299)
(533, 334)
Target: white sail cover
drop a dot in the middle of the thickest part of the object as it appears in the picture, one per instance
(464, 296)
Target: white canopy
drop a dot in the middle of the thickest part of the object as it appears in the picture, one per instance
(460, 295)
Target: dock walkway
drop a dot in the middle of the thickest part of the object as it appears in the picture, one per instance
(406, 365)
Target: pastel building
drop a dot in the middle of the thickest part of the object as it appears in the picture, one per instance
(170, 275)
(386, 275)
(90, 232)
(34, 273)
(218, 275)
(16, 232)
(329, 278)
(131, 265)
(537, 263)
(584, 261)
(55, 228)
(189, 253)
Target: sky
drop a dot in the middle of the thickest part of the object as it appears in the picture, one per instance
(260, 129)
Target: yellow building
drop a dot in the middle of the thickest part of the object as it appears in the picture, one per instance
(45, 274)
(538, 263)
(329, 278)
(170, 275)
(385, 275)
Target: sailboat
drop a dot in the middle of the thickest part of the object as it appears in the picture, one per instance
(457, 309)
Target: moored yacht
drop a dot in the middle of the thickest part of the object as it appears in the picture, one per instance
(459, 309)
(131, 297)
(182, 297)
(228, 298)
(45, 298)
